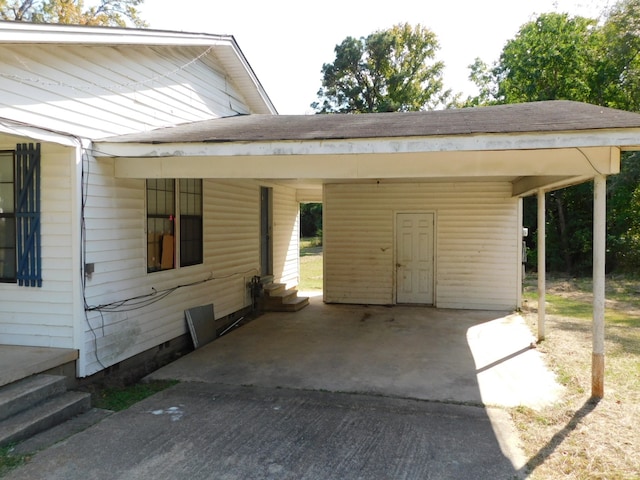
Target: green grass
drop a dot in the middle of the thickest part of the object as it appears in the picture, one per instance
(121, 398)
(310, 264)
(8, 462)
(568, 307)
(310, 246)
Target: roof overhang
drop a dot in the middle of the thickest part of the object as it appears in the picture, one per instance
(544, 145)
(530, 161)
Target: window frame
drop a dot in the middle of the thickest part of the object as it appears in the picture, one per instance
(190, 205)
(186, 221)
(11, 216)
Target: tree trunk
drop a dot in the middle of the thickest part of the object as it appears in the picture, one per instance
(562, 228)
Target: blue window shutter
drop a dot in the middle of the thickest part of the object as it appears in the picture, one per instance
(29, 272)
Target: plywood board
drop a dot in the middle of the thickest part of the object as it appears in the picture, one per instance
(201, 322)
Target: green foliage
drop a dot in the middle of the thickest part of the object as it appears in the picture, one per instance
(121, 398)
(311, 219)
(549, 59)
(8, 461)
(107, 13)
(623, 208)
(557, 56)
(618, 81)
(390, 70)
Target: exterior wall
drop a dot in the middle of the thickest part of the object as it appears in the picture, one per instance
(43, 317)
(286, 236)
(476, 242)
(99, 91)
(116, 244)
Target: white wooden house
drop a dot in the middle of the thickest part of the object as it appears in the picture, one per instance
(169, 181)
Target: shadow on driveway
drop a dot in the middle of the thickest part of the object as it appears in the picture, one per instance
(331, 392)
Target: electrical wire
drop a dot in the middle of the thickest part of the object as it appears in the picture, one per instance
(589, 160)
(141, 301)
(84, 193)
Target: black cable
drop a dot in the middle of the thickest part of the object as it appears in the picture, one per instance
(145, 300)
(84, 189)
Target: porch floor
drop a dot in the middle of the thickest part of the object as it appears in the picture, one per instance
(18, 362)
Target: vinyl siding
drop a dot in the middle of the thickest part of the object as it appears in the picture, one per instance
(476, 242)
(43, 317)
(98, 91)
(116, 244)
(286, 233)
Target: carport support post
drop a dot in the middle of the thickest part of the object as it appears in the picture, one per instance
(599, 250)
(542, 259)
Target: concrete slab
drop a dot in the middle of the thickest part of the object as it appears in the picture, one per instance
(268, 401)
(17, 362)
(204, 431)
(470, 357)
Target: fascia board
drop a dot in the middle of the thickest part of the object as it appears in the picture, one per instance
(18, 32)
(624, 139)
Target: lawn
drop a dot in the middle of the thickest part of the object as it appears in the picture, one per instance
(578, 438)
(310, 264)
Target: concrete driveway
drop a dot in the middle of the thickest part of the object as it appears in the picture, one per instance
(331, 392)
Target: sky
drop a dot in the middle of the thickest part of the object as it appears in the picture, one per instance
(287, 41)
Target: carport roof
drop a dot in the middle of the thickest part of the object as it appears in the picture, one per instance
(547, 116)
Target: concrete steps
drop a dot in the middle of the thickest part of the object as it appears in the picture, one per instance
(277, 298)
(35, 404)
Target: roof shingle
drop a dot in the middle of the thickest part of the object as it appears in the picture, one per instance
(548, 116)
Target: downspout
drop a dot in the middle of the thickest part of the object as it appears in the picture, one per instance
(542, 264)
(77, 259)
(599, 251)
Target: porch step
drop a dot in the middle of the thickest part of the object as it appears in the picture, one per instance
(293, 305)
(277, 298)
(25, 393)
(35, 404)
(61, 432)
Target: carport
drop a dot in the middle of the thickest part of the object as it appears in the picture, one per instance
(468, 357)
(418, 159)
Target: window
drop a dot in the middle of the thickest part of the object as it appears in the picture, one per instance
(20, 243)
(190, 222)
(7, 218)
(165, 197)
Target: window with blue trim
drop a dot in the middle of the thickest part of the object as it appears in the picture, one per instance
(7, 218)
(20, 247)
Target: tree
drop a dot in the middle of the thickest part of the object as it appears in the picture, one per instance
(310, 219)
(390, 70)
(106, 13)
(550, 58)
(574, 58)
(618, 83)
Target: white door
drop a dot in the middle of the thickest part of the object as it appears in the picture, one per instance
(414, 258)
